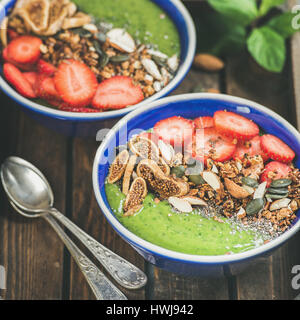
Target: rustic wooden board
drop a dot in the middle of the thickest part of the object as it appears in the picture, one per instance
(86, 213)
(30, 250)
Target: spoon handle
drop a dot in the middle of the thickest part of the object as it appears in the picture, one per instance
(101, 286)
(125, 273)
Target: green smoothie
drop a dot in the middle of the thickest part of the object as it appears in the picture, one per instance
(186, 233)
(143, 19)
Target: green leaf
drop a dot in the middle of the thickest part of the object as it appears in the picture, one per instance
(240, 11)
(266, 5)
(282, 24)
(267, 47)
(217, 34)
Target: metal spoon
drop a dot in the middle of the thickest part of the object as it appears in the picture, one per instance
(27, 187)
(101, 286)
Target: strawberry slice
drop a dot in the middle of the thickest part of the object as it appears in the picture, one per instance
(25, 49)
(276, 149)
(46, 68)
(75, 83)
(234, 125)
(65, 107)
(176, 131)
(24, 67)
(31, 77)
(210, 144)
(204, 122)
(15, 77)
(117, 93)
(275, 170)
(45, 88)
(250, 148)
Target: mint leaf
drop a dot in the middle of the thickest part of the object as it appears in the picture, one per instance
(217, 34)
(282, 24)
(266, 5)
(241, 11)
(267, 47)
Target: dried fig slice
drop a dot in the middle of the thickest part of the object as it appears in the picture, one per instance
(58, 12)
(118, 167)
(144, 148)
(128, 174)
(135, 196)
(159, 182)
(35, 14)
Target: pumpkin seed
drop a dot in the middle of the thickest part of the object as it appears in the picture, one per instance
(250, 182)
(98, 48)
(278, 190)
(178, 171)
(104, 61)
(101, 37)
(120, 58)
(197, 179)
(276, 196)
(82, 32)
(281, 183)
(254, 206)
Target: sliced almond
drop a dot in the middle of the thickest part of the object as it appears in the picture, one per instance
(151, 68)
(213, 180)
(180, 204)
(235, 190)
(128, 173)
(166, 150)
(260, 191)
(241, 213)
(194, 201)
(121, 40)
(173, 62)
(279, 204)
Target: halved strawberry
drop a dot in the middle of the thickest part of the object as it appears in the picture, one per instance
(46, 89)
(204, 122)
(45, 67)
(65, 107)
(275, 170)
(23, 67)
(75, 83)
(276, 149)
(25, 49)
(176, 131)
(116, 93)
(210, 144)
(234, 125)
(15, 77)
(149, 135)
(250, 148)
(31, 77)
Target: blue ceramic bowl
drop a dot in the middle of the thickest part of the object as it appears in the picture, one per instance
(190, 106)
(85, 124)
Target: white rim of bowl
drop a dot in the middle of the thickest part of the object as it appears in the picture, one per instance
(180, 75)
(145, 245)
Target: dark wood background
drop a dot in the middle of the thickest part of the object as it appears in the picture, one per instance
(37, 264)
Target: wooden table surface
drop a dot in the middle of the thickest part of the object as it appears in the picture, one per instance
(37, 264)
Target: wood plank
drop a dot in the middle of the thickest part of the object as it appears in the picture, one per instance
(30, 250)
(270, 277)
(166, 285)
(87, 214)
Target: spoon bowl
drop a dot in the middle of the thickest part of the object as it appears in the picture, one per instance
(26, 186)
